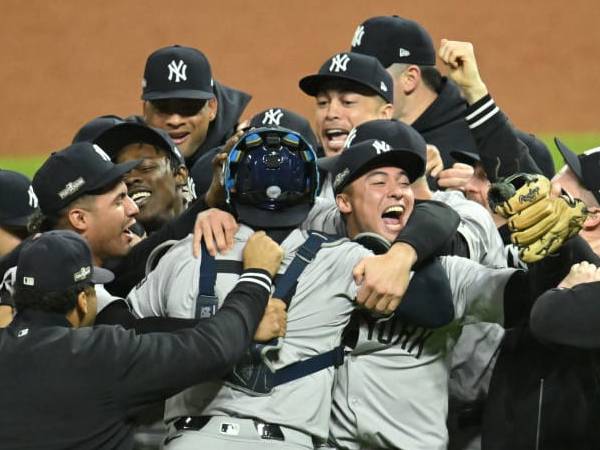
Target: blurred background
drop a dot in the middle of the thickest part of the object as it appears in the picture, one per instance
(66, 61)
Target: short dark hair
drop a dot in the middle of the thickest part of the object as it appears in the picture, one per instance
(60, 302)
(40, 222)
(342, 85)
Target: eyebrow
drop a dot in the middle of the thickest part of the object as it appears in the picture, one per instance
(377, 171)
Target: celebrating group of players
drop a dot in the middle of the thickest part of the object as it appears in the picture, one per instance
(404, 276)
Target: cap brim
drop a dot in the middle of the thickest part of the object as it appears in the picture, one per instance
(407, 160)
(121, 135)
(311, 84)
(465, 157)
(102, 276)
(570, 158)
(281, 218)
(113, 175)
(328, 163)
(21, 221)
(183, 93)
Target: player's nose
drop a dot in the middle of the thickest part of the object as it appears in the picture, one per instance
(175, 120)
(131, 208)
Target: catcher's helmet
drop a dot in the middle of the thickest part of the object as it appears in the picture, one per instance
(271, 178)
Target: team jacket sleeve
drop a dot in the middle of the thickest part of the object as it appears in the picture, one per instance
(525, 287)
(568, 316)
(430, 229)
(502, 153)
(154, 366)
(131, 269)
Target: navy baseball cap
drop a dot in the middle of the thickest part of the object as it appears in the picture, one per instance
(113, 139)
(393, 39)
(82, 168)
(362, 69)
(177, 72)
(92, 129)
(57, 260)
(281, 117)
(585, 166)
(383, 142)
(18, 201)
(271, 178)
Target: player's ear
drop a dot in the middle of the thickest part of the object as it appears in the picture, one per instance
(181, 176)
(212, 107)
(343, 203)
(386, 111)
(411, 79)
(78, 219)
(146, 109)
(77, 315)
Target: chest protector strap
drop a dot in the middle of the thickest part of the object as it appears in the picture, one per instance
(206, 301)
(255, 374)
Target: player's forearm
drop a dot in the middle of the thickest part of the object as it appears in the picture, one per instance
(501, 152)
(162, 364)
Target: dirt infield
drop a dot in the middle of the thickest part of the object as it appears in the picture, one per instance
(64, 62)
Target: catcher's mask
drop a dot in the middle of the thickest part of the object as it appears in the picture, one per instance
(271, 178)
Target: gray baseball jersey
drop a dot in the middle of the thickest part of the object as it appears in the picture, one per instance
(477, 227)
(319, 312)
(472, 357)
(392, 392)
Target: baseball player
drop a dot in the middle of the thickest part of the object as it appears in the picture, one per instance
(404, 403)
(17, 204)
(244, 415)
(158, 185)
(81, 386)
(423, 98)
(349, 88)
(181, 97)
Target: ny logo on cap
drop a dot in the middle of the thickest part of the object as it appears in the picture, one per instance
(403, 53)
(350, 138)
(339, 63)
(381, 147)
(383, 87)
(358, 35)
(101, 153)
(272, 117)
(33, 200)
(177, 70)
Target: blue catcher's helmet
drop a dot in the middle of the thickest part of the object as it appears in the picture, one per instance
(271, 178)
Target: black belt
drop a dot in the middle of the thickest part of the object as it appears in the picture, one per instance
(265, 430)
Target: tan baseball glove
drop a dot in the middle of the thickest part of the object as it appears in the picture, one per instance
(539, 223)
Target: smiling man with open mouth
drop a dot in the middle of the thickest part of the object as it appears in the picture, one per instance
(349, 89)
(157, 185)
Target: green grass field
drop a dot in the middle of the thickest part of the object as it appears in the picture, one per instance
(576, 142)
